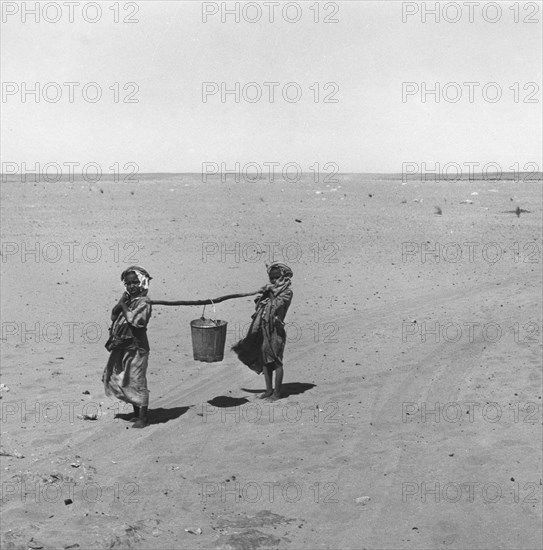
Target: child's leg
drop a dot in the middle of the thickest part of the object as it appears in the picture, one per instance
(141, 422)
(278, 383)
(136, 413)
(139, 386)
(268, 380)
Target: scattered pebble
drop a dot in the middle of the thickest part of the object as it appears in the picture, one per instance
(87, 416)
(13, 454)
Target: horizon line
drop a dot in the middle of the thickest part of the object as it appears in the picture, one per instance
(229, 174)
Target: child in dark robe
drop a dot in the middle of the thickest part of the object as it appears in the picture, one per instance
(262, 349)
(125, 375)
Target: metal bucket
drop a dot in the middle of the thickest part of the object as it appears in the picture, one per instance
(208, 339)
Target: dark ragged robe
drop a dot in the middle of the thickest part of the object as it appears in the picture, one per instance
(266, 337)
(125, 375)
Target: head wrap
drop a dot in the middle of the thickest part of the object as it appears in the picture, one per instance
(142, 275)
(285, 270)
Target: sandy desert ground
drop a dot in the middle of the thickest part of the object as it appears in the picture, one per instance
(352, 457)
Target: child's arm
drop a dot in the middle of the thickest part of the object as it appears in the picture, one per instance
(120, 306)
(115, 312)
(138, 316)
(281, 303)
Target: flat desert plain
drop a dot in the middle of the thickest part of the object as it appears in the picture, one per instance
(411, 416)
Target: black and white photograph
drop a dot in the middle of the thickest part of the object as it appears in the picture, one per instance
(271, 275)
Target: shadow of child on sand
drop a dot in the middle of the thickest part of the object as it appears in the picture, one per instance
(224, 401)
(288, 389)
(158, 416)
(161, 416)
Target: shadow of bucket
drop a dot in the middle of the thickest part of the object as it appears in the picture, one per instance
(208, 339)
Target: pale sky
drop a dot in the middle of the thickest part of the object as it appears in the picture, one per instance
(367, 55)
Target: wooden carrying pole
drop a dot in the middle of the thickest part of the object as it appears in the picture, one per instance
(202, 302)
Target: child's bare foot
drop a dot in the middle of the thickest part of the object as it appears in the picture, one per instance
(140, 423)
(274, 397)
(136, 414)
(265, 395)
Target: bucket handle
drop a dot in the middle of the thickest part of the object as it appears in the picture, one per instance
(214, 312)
